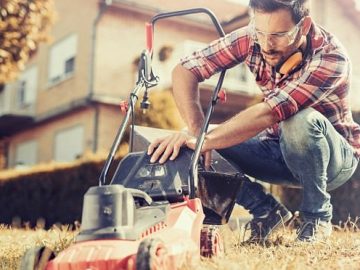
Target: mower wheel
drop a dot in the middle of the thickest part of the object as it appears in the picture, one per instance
(151, 255)
(36, 258)
(211, 243)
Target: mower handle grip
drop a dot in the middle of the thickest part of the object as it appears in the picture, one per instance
(137, 193)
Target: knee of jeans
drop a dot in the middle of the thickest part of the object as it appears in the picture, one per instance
(298, 130)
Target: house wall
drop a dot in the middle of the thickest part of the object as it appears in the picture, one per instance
(45, 133)
(121, 39)
(335, 19)
(72, 17)
(110, 118)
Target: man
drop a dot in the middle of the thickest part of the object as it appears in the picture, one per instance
(302, 134)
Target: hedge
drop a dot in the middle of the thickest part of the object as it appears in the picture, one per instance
(55, 196)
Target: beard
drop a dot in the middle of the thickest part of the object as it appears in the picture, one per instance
(272, 57)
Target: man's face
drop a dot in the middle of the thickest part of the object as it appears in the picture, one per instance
(277, 35)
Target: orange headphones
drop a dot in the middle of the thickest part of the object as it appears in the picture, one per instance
(294, 62)
(290, 63)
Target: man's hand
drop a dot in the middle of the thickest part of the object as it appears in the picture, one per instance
(168, 147)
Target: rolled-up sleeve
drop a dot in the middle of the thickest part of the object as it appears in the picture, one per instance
(221, 54)
(321, 82)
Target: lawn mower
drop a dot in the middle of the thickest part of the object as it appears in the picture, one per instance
(151, 215)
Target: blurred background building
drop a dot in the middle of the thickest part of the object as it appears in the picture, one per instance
(66, 101)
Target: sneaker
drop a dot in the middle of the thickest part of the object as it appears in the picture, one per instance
(262, 227)
(314, 230)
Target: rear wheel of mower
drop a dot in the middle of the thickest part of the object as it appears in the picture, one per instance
(211, 243)
(36, 258)
(151, 255)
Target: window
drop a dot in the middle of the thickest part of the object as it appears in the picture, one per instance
(62, 59)
(27, 87)
(69, 65)
(69, 144)
(21, 93)
(26, 154)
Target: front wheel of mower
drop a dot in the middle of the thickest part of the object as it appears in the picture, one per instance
(152, 255)
(36, 258)
(211, 243)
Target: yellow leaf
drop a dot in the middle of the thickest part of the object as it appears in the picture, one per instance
(31, 44)
(4, 53)
(10, 8)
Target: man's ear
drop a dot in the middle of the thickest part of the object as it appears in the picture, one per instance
(306, 25)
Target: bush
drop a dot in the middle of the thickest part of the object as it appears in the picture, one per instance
(55, 195)
(162, 112)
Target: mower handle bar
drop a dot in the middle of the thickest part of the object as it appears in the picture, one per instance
(132, 100)
(143, 82)
(192, 180)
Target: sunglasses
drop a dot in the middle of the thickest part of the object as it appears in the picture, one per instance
(278, 40)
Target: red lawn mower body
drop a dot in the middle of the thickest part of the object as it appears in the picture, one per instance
(178, 234)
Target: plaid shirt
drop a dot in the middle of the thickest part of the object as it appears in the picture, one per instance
(322, 82)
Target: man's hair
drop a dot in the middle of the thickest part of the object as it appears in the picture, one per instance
(297, 8)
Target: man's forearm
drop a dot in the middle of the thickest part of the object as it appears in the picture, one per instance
(186, 95)
(241, 127)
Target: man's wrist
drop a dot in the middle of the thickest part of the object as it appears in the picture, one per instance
(194, 131)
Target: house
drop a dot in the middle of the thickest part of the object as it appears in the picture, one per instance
(342, 17)
(66, 101)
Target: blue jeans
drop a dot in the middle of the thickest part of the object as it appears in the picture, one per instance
(309, 154)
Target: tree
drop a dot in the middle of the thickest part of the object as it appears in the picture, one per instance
(23, 25)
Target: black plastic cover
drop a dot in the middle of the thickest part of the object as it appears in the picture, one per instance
(169, 181)
(166, 181)
(217, 192)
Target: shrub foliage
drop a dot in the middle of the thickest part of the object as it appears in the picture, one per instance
(23, 24)
(55, 195)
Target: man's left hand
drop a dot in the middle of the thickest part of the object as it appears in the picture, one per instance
(168, 147)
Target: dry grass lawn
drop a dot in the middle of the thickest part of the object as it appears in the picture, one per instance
(14, 242)
(341, 251)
